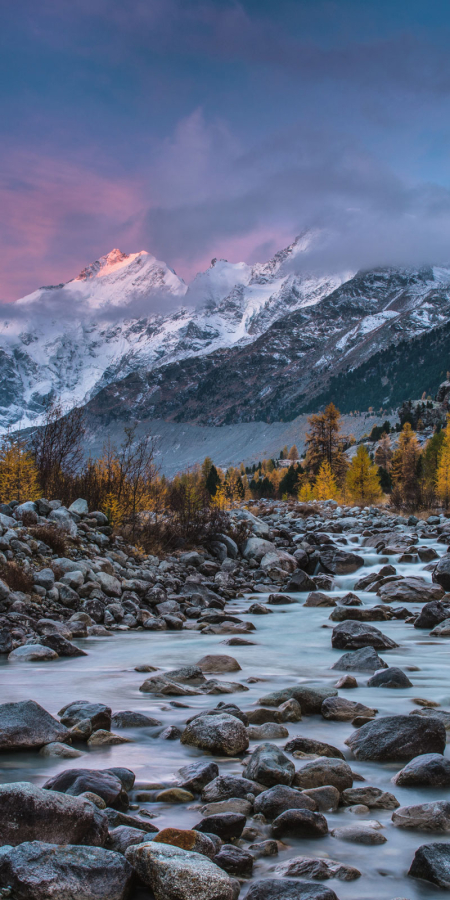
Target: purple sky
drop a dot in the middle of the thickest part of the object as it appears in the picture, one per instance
(199, 129)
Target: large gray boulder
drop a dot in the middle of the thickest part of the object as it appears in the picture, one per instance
(339, 562)
(391, 677)
(64, 521)
(268, 765)
(434, 816)
(364, 660)
(441, 574)
(394, 738)
(220, 733)
(432, 863)
(79, 507)
(279, 889)
(300, 823)
(25, 725)
(30, 813)
(106, 783)
(432, 614)
(32, 653)
(44, 871)
(410, 590)
(278, 799)
(324, 771)
(256, 548)
(425, 770)
(176, 874)
(338, 709)
(310, 697)
(354, 635)
(98, 714)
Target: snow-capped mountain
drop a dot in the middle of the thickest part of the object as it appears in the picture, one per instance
(128, 338)
(126, 312)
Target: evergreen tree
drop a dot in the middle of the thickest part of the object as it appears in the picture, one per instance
(405, 470)
(19, 479)
(325, 487)
(362, 481)
(324, 443)
(293, 453)
(206, 467)
(289, 481)
(212, 481)
(443, 469)
(385, 480)
(383, 453)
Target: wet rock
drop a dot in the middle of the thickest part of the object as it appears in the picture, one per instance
(309, 697)
(32, 653)
(77, 781)
(270, 731)
(432, 863)
(397, 738)
(280, 599)
(317, 598)
(226, 786)
(347, 682)
(235, 861)
(218, 664)
(268, 765)
(355, 635)
(425, 770)
(392, 677)
(300, 582)
(442, 630)
(359, 834)
(130, 719)
(431, 614)
(256, 548)
(371, 797)
(228, 826)
(220, 733)
(233, 805)
(187, 839)
(300, 823)
(340, 562)
(276, 889)
(262, 849)
(116, 818)
(30, 813)
(409, 590)
(309, 745)
(103, 738)
(98, 714)
(434, 816)
(39, 871)
(196, 775)
(61, 645)
(426, 713)
(290, 711)
(324, 771)
(176, 874)
(26, 725)
(360, 614)
(441, 573)
(278, 799)
(339, 709)
(322, 869)
(326, 797)
(364, 660)
(122, 837)
(350, 600)
(63, 751)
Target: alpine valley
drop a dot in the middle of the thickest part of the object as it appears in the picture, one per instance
(130, 340)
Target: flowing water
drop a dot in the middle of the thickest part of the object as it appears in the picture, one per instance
(292, 645)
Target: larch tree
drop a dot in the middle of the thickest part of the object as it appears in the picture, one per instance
(405, 466)
(443, 468)
(325, 487)
(384, 452)
(325, 444)
(362, 481)
(293, 453)
(19, 477)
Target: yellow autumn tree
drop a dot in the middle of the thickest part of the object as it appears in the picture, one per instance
(325, 487)
(443, 469)
(361, 482)
(19, 479)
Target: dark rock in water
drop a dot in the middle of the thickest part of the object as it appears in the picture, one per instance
(268, 765)
(324, 771)
(124, 836)
(300, 823)
(116, 818)
(299, 582)
(261, 716)
(173, 873)
(309, 697)
(321, 869)
(409, 590)
(432, 863)
(30, 813)
(339, 709)
(340, 562)
(227, 826)
(278, 799)
(364, 660)
(434, 816)
(98, 714)
(235, 861)
(372, 797)
(130, 719)
(390, 678)
(26, 725)
(61, 645)
(196, 775)
(441, 574)
(360, 614)
(326, 797)
(397, 738)
(309, 745)
(350, 600)
(427, 712)
(76, 781)
(226, 786)
(359, 834)
(6, 642)
(278, 889)
(425, 770)
(432, 614)
(355, 635)
(280, 599)
(39, 871)
(220, 733)
(188, 839)
(126, 776)
(317, 598)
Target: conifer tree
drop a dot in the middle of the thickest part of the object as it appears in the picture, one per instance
(405, 466)
(324, 443)
(19, 479)
(383, 453)
(293, 453)
(362, 481)
(443, 469)
(325, 487)
(212, 481)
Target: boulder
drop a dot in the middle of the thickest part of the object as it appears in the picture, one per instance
(124, 836)
(64, 521)
(130, 719)
(364, 660)
(235, 861)
(268, 765)
(98, 714)
(339, 562)
(226, 825)
(309, 745)
(61, 645)
(300, 582)
(318, 598)
(326, 797)
(359, 834)
(310, 697)
(270, 731)
(321, 869)
(32, 653)
(355, 635)
(434, 816)
(256, 548)
(393, 738)
(372, 797)
(219, 733)
(25, 725)
(187, 839)
(432, 863)
(324, 771)
(392, 677)
(76, 781)
(279, 798)
(360, 614)
(432, 614)
(299, 823)
(425, 770)
(278, 889)
(339, 709)
(427, 712)
(410, 590)
(176, 874)
(441, 574)
(42, 871)
(217, 664)
(226, 786)
(79, 507)
(196, 775)
(30, 813)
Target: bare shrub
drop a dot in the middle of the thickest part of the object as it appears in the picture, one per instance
(52, 536)
(16, 578)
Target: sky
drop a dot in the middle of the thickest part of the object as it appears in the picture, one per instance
(210, 128)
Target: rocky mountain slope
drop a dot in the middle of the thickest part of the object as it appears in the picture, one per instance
(130, 339)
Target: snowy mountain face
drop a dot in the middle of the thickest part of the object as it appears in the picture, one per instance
(128, 338)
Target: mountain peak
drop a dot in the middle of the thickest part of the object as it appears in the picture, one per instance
(107, 264)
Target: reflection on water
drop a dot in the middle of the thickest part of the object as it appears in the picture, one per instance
(293, 644)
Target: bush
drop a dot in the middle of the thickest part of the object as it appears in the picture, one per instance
(52, 536)
(16, 578)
